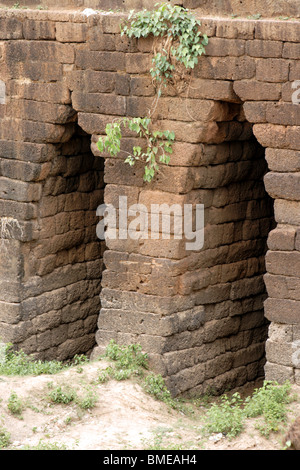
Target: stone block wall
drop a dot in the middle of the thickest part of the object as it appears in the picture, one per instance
(266, 8)
(51, 185)
(202, 316)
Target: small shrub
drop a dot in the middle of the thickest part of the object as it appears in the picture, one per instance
(270, 402)
(46, 446)
(4, 438)
(127, 357)
(62, 395)
(160, 440)
(122, 374)
(178, 39)
(88, 401)
(155, 386)
(104, 376)
(226, 418)
(80, 359)
(19, 363)
(15, 404)
(128, 361)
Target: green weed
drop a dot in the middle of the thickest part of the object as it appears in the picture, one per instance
(155, 386)
(269, 403)
(87, 401)
(15, 404)
(4, 438)
(46, 446)
(226, 418)
(128, 361)
(62, 395)
(257, 16)
(19, 363)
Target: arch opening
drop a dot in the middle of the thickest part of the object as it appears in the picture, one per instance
(60, 258)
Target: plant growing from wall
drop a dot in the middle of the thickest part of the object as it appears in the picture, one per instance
(176, 47)
(177, 40)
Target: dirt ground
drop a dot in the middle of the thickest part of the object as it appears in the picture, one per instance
(124, 418)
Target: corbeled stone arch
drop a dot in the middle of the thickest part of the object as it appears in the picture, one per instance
(51, 186)
(272, 106)
(275, 126)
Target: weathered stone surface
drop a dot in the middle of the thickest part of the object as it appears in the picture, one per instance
(225, 47)
(278, 373)
(236, 29)
(283, 160)
(212, 89)
(11, 28)
(283, 113)
(282, 239)
(250, 90)
(199, 314)
(36, 50)
(226, 68)
(99, 103)
(255, 111)
(38, 30)
(282, 311)
(271, 135)
(272, 70)
(264, 48)
(283, 287)
(283, 185)
(287, 212)
(276, 31)
(103, 61)
(281, 262)
(36, 91)
(71, 32)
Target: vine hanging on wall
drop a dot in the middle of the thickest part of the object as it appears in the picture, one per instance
(176, 47)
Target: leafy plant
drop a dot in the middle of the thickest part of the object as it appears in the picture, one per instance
(80, 359)
(15, 404)
(160, 441)
(155, 386)
(4, 438)
(270, 401)
(46, 446)
(257, 16)
(104, 376)
(226, 418)
(158, 144)
(87, 401)
(128, 361)
(178, 39)
(19, 363)
(178, 44)
(63, 395)
(127, 357)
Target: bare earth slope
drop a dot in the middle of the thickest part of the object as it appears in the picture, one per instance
(124, 417)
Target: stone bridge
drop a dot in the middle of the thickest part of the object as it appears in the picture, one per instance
(210, 319)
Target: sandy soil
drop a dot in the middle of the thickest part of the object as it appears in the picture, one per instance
(124, 418)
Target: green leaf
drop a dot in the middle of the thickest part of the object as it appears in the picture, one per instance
(100, 145)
